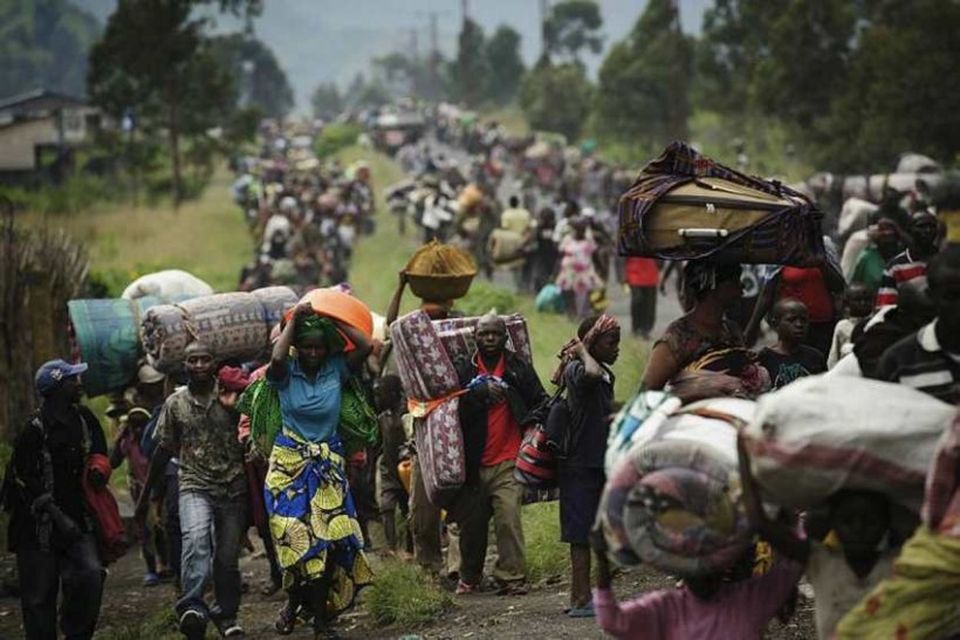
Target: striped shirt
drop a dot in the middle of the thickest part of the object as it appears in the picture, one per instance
(920, 362)
(901, 269)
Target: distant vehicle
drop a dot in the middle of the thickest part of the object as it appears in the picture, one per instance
(393, 130)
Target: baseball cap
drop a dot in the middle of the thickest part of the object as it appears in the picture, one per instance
(52, 373)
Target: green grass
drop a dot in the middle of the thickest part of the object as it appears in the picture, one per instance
(160, 625)
(403, 595)
(547, 557)
(511, 117)
(206, 237)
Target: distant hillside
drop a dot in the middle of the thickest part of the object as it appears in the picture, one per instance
(44, 43)
(329, 40)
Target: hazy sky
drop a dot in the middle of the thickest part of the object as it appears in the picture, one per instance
(331, 40)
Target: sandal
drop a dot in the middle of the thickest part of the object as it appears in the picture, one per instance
(465, 588)
(581, 612)
(286, 621)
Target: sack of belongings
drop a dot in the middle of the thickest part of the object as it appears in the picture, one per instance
(685, 206)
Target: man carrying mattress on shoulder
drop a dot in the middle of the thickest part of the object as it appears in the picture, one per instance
(502, 390)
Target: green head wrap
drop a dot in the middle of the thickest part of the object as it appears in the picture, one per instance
(314, 326)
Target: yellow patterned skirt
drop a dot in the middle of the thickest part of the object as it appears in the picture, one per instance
(313, 517)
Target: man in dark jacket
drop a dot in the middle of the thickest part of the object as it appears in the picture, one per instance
(502, 391)
(51, 530)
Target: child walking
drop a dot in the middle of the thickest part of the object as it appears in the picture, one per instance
(790, 359)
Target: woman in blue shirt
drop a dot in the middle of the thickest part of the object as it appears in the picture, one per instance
(312, 515)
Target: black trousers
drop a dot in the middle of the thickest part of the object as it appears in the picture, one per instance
(643, 309)
(78, 572)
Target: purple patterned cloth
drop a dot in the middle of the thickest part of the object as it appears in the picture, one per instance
(427, 373)
(790, 235)
(457, 336)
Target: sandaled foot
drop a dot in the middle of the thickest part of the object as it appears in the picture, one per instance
(286, 621)
(465, 588)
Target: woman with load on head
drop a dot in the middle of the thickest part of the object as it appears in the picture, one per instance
(706, 340)
(312, 515)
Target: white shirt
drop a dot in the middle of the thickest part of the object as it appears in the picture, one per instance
(836, 587)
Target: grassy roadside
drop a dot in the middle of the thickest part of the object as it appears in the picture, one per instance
(206, 237)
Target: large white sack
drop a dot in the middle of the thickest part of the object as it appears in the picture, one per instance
(822, 434)
(854, 215)
(168, 284)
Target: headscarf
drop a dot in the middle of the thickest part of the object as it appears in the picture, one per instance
(604, 324)
(314, 326)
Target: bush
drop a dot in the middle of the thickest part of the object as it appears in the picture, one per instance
(77, 193)
(402, 594)
(484, 296)
(335, 137)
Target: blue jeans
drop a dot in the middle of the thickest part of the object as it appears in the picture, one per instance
(211, 527)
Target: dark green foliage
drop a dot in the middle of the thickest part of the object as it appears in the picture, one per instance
(260, 82)
(643, 84)
(44, 43)
(155, 59)
(557, 98)
(506, 66)
(326, 101)
(470, 71)
(572, 26)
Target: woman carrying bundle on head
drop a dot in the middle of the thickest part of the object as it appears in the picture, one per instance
(312, 516)
(712, 289)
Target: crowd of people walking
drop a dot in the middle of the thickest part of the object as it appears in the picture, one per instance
(284, 444)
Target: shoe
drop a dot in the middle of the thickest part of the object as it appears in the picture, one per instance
(193, 624)
(151, 579)
(228, 627)
(465, 588)
(585, 611)
(286, 621)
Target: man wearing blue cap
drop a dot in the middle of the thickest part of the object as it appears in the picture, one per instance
(51, 530)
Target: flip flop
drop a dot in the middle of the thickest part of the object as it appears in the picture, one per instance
(582, 612)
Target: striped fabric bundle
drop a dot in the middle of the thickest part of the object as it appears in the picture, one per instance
(685, 206)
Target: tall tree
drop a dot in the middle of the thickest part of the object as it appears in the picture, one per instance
(505, 63)
(571, 27)
(469, 73)
(898, 95)
(643, 84)
(44, 43)
(260, 80)
(556, 98)
(326, 101)
(154, 58)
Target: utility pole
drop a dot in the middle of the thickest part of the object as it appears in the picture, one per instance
(543, 27)
(465, 10)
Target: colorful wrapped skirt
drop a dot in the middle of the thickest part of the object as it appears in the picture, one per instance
(313, 518)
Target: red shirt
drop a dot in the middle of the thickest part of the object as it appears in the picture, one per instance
(503, 431)
(641, 272)
(807, 286)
